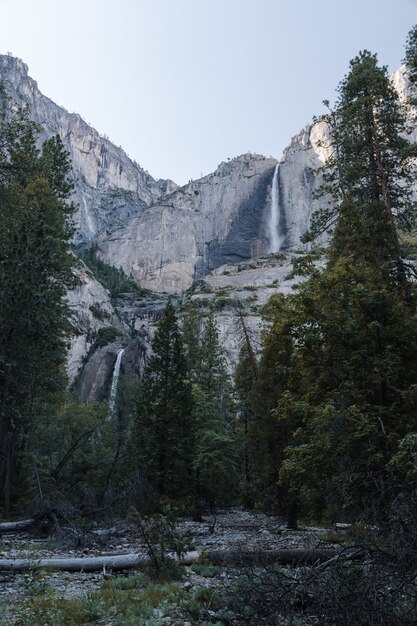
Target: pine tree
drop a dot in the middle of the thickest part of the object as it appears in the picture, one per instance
(335, 402)
(357, 397)
(215, 451)
(163, 426)
(191, 333)
(336, 397)
(352, 362)
(245, 382)
(35, 273)
(267, 437)
(371, 160)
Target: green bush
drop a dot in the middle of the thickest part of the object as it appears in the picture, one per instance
(106, 335)
(221, 303)
(70, 463)
(99, 313)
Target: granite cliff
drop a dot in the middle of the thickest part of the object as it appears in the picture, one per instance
(215, 220)
(136, 219)
(109, 185)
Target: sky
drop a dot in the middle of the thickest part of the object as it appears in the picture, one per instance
(182, 85)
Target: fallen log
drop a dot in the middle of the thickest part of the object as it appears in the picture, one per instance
(75, 564)
(13, 526)
(283, 556)
(133, 561)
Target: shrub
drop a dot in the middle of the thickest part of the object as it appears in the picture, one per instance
(99, 313)
(106, 335)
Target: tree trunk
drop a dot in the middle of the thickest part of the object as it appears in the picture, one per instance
(223, 557)
(292, 516)
(14, 526)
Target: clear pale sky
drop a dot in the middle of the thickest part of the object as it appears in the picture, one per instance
(184, 84)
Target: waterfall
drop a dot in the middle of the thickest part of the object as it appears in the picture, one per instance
(275, 226)
(113, 390)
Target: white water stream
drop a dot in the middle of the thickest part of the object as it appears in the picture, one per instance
(275, 226)
(115, 380)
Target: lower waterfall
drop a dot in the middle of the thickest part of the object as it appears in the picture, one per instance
(115, 380)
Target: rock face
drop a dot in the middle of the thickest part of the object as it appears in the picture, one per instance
(109, 186)
(299, 177)
(92, 367)
(145, 320)
(239, 292)
(218, 219)
(94, 380)
(91, 309)
(221, 218)
(166, 236)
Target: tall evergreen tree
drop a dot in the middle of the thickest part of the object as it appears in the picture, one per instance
(191, 329)
(245, 381)
(356, 397)
(163, 425)
(215, 451)
(35, 273)
(268, 437)
(372, 157)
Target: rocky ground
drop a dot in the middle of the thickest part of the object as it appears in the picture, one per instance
(228, 531)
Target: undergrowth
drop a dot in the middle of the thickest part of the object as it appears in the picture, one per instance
(124, 601)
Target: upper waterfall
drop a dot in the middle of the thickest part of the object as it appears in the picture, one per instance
(275, 226)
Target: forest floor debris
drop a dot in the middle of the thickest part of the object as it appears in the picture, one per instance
(228, 530)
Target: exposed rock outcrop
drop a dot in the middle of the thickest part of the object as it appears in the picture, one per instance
(218, 219)
(137, 317)
(167, 236)
(143, 318)
(91, 309)
(94, 380)
(240, 291)
(299, 177)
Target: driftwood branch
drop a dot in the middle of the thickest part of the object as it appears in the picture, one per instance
(132, 561)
